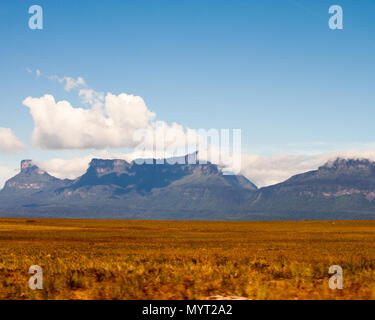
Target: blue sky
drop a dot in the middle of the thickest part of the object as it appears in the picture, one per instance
(271, 68)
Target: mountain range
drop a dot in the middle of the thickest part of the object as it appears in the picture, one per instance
(340, 189)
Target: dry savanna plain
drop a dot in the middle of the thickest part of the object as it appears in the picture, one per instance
(112, 259)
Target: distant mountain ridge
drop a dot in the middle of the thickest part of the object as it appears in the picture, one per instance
(119, 189)
(155, 189)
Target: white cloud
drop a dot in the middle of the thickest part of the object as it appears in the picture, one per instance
(112, 121)
(9, 142)
(58, 125)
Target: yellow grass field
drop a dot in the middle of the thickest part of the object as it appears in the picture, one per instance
(111, 259)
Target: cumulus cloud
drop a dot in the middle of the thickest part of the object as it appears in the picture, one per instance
(111, 121)
(58, 125)
(9, 142)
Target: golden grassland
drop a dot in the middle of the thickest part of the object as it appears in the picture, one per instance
(111, 259)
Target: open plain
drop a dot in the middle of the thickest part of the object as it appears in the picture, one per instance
(113, 259)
